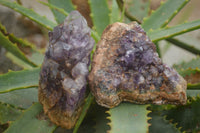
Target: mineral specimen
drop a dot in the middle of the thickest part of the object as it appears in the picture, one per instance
(64, 71)
(126, 67)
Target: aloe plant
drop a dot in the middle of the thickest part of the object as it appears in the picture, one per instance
(19, 106)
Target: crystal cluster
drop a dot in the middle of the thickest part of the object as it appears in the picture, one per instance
(64, 71)
(126, 67)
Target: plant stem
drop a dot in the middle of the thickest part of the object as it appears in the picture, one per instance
(127, 14)
(84, 111)
(122, 14)
(184, 45)
(95, 36)
(158, 49)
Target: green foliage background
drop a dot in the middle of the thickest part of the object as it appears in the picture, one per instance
(19, 107)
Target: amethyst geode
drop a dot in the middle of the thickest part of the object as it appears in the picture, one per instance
(64, 71)
(126, 67)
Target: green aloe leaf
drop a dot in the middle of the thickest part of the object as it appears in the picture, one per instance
(60, 10)
(189, 68)
(128, 118)
(99, 118)
(114, 12)
(37, 58)
(17, 61)
(160, 124)
(138, 8)
(165, 33)
(64, 4)
(23, 98)
(163, 15)
(188, 71)
(34, 55)
(191, 72)
(195, 86)
(95, 121)
(29, 13)
(86, 106)
(62, 130)
(32, 121)
(9, 46)
(14, 39)
(187, 116)
(193, 64)
(101, 121)
(184, 45)
(100, 14)
(14, 80)
(8, 113)
(193, 93)
(122, 7)
(88, 124)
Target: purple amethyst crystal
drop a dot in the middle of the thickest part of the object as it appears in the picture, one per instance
(126, 67)
(64, 71)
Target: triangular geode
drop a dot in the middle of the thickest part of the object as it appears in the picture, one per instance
(126, 67)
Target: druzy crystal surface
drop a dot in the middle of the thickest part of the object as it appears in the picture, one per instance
(126, 67)
(64, 71)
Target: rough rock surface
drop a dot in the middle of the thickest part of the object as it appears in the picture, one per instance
(64, 71)
(126, 67)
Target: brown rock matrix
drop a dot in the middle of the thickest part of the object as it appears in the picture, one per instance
(126, 67)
